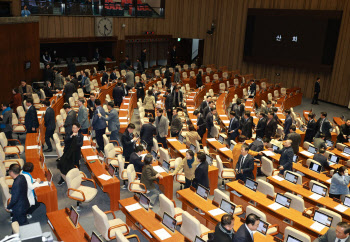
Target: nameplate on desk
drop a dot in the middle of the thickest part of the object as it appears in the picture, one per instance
(307, 153)
(33, 147)
(104, 177)
(268, 153)
(211, 139)
(278, 178)
(317, 226)
(86, 147)
(222, 115)
(216, 211)
(123, 117)
(86, 138)
(341, 208)
(226, 121)
(183, 150)
(92, 157)
(315, 196)
(162, 234)
(275, 206)
(133, 207)
(224, 149)
(171, 140)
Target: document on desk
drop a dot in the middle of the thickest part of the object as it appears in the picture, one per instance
(317, 226)
(216, 211)
(123, 117)
(86, 138)
(162, 234)
(133, 207)
(42, 184)
(127, 104)
(344, 154)
(123, 123)
(190, 111)
(248, 106)
(158, 169)
(224, 149)
(92, 157)
(194, 120)
(32, 147)
(315, 196)
(171, 140)
(183, 150)
(275, 206)
(222, 115)
(341, 208)
(278, 178)
(40, 112)
(86, 147)
(307, 153)
(104, 177)
(268, 153)
(329, 180)
(211, 139)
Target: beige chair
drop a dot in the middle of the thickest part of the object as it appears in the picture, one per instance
(76, 191)
(222, 88)
(236, 82)
(110, 155)
(5, 192)
(8, 162)
(118, 149)
(63, 114)
(59, 150)
(168, 206)
(17, 128)
(121, 238)
(42, 94)
(296, 234)
(8, 179)
(224, 173)
(207, 79)
(80, 93)
(134, 185)
(300, 178)
(21, 114)
(312, 182)
(219, 195)
(340, 146)
(36, 101)
(337, 218)
(108, 228)
(60, 124)
(265, 188)
(216, 77)
(18, 149)
(298, 204)
(193, 66)
(306, 145)
(122, 172)
(267, 167)
(164, 155)
(180, 176)
(272, 229)
(276, 94)
(191, 228)
(308, 161)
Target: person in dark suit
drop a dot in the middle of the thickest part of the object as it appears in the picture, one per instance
(245, 165)
(233, 127)
(128, 141)
(201, 172)
(176, 123)
(245, 232)
(99, 124)
(201, 124)
(19, 203)
(143, 58)
(260, 127)
(71, 66)
(49, 92)
(177, 97)
(136, 159)
(118, 94)
(208, 109)
(139, 66)
(344, 132)
(295, 138)
(246, 125)
(70, 119)
(169, 104)
(286, 160)
(205, 104)
(199, 81)
(6, 121)
(162, 127)
(148, 131)
(140, 90)
(91, 105)
(238, 108)
(324, 126)
(209, 120)
(74, 80)
(224, 230)
(317, 91)
(101, 65)
(287, 122)
(257, 145)
(322, 159)
(310, 128)
(50, 124)
(271, 126)
(252, 89)
(68, 91)
(339, 234)
(173, 56)
(31, 118)
(105, 77)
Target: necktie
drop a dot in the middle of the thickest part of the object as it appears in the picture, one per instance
(242, 161)
(251, 234)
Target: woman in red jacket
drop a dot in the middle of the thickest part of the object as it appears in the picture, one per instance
(16, 100)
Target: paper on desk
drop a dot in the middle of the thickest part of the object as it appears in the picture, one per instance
(40, 112)
(193, 119)
(158, 169)
(123, 117)
(329, 180)
(315, 196)
(278, 178)
(104, 177)
(123, 109)
(275, 206)
(344, 154)
(226, 121)
(43, 184)
(127, 98)
(268, 153)
(248, 106)
(159, 102)
(170, 140)
(133, 207)
(317, 226)
(224, 149)
(183, 150)
(190, 111)
(341, 208)
(92, 157)
(222, 115)
(162, 234)
(190, 108)
(86, 147)
(216, 211)
(307, 153)
(124, 123)
(86, 138)
(32, 147)
(127, 104)
(211, 139)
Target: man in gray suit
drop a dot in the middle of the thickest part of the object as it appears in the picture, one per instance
(339, 234)
(176, 124)
(295, 138)
(83, 116)
(71, 118)
(320, 142)
(162, 126)
(113, 121)
(130, 79)
(99, 125)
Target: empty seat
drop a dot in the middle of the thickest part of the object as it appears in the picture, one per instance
(265, 188)
(219, 195)
(296, 234)
(134, 185)
(191, 228)
(166, 205)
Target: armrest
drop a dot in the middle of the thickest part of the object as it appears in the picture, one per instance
(141, 184)
(133, 236)
(10, 147)
(108, 159)
(174, 203)
(107, 212)
(75, 190)
(161, 145)
(87, 179)
(13, 161)
(117, 226)
(274, 226)
(114, 141)
(208, 232)
(179, 174)
(310, 209)
(19, 142)
(8, 153)
(124, 171)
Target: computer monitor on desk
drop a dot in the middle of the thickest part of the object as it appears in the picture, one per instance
(227, 206)
(323, 218)
(111, 170)
(166, 165)
(320, 190)
(312, 150)
(232, 146)
(181, 139)
(74, 216)
(315, 167)
(263, 227)
(291, 177)
(347, 201)
(169, 222)
(144, 201)
(199, 239)
(202, 191)
(221, 139)
(154, 154)
(295, 158)
(193, 148)
(95, 237)
(253, 185)
(347, 150)
(333, 158)
(329, 143)
(275, 147)
(292, 239)
(283, 200)
(209, 159)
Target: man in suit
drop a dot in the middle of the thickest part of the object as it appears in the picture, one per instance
(324, 126)
(50, 124)
(287, 122)
(71, 118)
(252, 89)
(130, 79)
(147, 132)
(162, 126)
(6, 121)
(209, 120)
(139, 66)
(317, 91)
(105, 77)
(320, 142)
(140, 90)
(321, 158)
(233, 127)
(83, 116)
(245, 165)
(113, 75)
(25, 90)
(99, 124)
(260, 127)
(31, 119)
(205, 104)
(118, 94)
(344, 132)
(295, 138)
(136, 159)
(247, 125)
(201, 172)
(286, 160)
(91, 105)
(75, 82)
(176, 124)
(311, 128)
(113, 121)
(68, 91)
(245, 232)
(224, 230)
(339, 234)
(201, 125)
(48, 90)
(238, 108)
(173, 56)
(169, 104)
(271, 126)
(172, 87)
(177, 98)
(129, 141)
(268, 108)
(208, 109)
(19, 203)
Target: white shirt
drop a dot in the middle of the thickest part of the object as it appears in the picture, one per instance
(340, 240)
(242, 161)
(250, 232)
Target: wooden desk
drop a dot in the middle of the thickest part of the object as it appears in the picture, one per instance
(63, 228)
(284, 186)
(311, 175)
(141, 219)
(111, 186)
(338, 121)
(273, 216)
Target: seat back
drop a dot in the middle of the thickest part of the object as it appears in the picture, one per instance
(36, 98)
(100, 221)
(163, 154)
(155, 145)
(337, 218)
(250, 209)
(130, 170)
(296, 234)
(185, 67)
(297, 202)
(105, 140)
(42, 94)
(207, 79)
(308, 161)
(121, 162)
(3, 139)
(109, 151)
(71, 101)
(220, 165)
(63, 113)
(2, 169)
(165, 205)
(222, 87)
(20, 111)
(184, 75)
(266, 166)
(216, 77)
(73, 178)
(214, 131)
(5, 192)
(14, 119)
(80, 92)
(269, 96)
(306, 145)
(266, 188)
(219, 195)
(121, 238)
(177, 163)
(300, 178)
(340, 146)
(193, 66)
(76, 96)
(59, 150)
(56, 138)
(190, 227)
